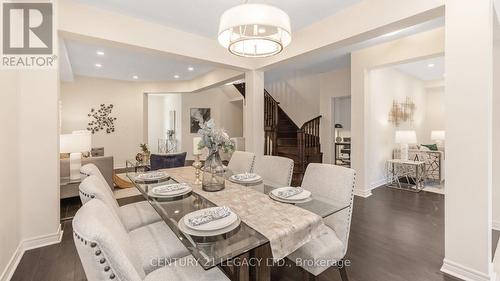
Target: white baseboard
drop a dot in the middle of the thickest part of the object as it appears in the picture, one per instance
(28, 244)
(467, 274)
(365, 193)
(495, 225)
(11, 266)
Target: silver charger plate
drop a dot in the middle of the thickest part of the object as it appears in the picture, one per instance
(151, 176)
(187, 230)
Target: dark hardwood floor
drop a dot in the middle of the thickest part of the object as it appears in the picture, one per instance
(395, 236)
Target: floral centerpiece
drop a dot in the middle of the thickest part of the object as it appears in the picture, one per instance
(214, 139)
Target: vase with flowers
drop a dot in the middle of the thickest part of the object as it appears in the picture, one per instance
(215, 140)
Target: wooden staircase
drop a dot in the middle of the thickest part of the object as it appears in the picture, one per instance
(284, 138)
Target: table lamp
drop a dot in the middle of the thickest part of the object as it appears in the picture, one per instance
(75, 144)
(404, 138)
(438, 136)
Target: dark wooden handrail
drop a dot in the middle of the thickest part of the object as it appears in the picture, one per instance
(270, 124)
(308, 141)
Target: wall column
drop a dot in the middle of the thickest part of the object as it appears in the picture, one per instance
(253, 112)
(469, 91)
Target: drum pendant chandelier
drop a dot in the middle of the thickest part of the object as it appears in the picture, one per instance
(254, 30)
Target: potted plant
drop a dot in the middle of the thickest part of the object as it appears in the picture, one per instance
(214, 139)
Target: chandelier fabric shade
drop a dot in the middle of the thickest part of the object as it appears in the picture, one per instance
(254, 30)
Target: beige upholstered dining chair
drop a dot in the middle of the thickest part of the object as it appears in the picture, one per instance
(132, 215)
(275, 170)
(334, 183)
(241, 162)
(108, 252)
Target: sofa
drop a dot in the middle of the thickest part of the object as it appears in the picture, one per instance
(104, 163)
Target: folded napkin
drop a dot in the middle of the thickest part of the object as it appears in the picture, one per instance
(245, 176)
(289, 192)
(169, 188)
(151, 175)
(209, 216)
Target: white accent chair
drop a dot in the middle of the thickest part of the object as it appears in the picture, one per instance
(241, 162)
(331, 183)
(275, 170)
(152, 240)
(132, 215)
(106, 252)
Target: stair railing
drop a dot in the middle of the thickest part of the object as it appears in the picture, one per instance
(270, 124)
(308, 141)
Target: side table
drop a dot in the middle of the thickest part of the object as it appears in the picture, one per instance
(413, 173)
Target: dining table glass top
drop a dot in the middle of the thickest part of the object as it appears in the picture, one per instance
(214, 250)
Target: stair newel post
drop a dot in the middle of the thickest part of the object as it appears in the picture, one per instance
(301, 149)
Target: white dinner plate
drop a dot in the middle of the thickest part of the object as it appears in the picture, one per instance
(213, 225)
(151, 176)
(289, 201)
(297, 197)
(256, 178)
(186, 229)
(176, 193)
(161, 189)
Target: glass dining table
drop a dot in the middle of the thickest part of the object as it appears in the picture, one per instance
(215, 250)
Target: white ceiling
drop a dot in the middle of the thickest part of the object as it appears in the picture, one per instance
(202, 16)
(123, 64)
(324, 61)
(422, 69)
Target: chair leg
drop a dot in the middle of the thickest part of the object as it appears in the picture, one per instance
(343, 273)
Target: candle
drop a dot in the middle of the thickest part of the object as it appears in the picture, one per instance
(196, 141)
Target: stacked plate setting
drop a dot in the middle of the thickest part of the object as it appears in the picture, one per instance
(209, 222)
(245, 178)
(170, 190)
(151, 176)
(290, 195)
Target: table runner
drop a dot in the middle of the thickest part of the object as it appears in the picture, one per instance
(287, 227)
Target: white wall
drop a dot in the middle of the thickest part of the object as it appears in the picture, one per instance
(304, 97)
(85, 93)
(332, 84)
(129, 109)
(30, 143)
(159, 119)
(430, 43)
(496, 134)
(10, 226)
(226, 114)
(298, 95)
(435, 112)
(387, 85)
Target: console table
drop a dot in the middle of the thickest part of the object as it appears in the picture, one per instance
(413, 173)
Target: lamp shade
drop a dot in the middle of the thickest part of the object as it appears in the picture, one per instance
(78, 142)
(406, 137)
(437, 135)
(254, 30)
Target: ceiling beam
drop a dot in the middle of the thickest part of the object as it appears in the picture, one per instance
(76, 19)
(211, 79)
(357, 23)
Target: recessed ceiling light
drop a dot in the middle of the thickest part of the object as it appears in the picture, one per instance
(431, 65)
(176, 76)
(98, 65)
(262, 30)
(100, 53)
(135, 77)
(190, 68)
